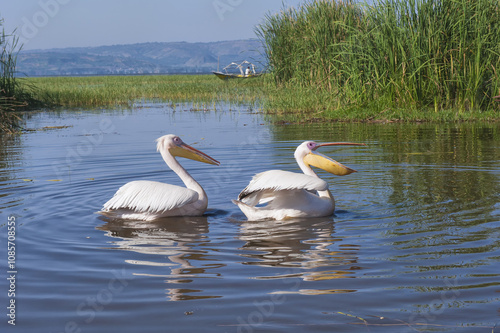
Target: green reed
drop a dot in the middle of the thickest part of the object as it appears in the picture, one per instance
(434, 56)
(12, 95)
(15, 93)
(125, 90)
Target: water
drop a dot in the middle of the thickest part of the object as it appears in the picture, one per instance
(413, 246)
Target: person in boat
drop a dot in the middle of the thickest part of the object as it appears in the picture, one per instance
(247, 71)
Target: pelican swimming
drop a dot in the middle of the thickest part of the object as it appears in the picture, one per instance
(148, 200)
(278, 194)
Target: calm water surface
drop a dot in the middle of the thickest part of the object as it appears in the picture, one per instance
(413, 246)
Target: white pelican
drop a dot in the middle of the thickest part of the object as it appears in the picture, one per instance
(278, 194)
(148, 200)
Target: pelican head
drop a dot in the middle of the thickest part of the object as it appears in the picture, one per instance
(176, 147)
(306, 152)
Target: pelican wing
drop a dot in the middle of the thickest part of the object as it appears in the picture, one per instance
(151, 197)
(263, 185)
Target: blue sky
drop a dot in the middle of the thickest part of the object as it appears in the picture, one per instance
(43, 24)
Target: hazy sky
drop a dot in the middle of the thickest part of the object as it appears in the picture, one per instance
(43, 24)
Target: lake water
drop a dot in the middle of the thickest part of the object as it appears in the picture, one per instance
(413, 246)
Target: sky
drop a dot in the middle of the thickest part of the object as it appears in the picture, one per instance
(44, 24)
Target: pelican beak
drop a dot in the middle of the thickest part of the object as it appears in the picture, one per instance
(326, 163)
(186, 151)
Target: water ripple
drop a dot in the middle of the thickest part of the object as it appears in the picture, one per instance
(414, 239)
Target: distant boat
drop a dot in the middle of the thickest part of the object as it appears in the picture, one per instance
(247, 70)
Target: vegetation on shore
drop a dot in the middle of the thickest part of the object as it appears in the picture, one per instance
(395, 60)
(290, 104)
(15, 95)
(92, 91)
(400, 59)
(9, 87)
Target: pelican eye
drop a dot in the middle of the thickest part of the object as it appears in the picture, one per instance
(311, 145)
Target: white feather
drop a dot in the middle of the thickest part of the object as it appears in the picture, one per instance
(263, 185)
(161, 197)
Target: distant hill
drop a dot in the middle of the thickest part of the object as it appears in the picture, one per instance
(143, 58)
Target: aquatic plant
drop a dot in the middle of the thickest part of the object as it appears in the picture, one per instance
(15, 94)
(8, 84)
(430, 55)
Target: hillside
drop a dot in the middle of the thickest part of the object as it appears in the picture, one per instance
(143, 58)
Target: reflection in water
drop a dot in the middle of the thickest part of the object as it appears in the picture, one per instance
(418, 227)
(307, 246)
(10, 163)
(177, 238)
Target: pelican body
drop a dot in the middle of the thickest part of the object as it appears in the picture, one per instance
(149, 200)
(278, 194)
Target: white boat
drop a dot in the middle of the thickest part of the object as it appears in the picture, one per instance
(246, 69)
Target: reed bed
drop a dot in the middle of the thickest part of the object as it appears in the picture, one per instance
(14, 96)
(125, 90)
(395, 59)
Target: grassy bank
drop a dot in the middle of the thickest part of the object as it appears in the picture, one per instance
(125, 90)
(410, 60)
(306, 104)
(291, 104)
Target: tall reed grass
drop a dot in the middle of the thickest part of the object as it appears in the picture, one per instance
(8, 84)
(433, 55)
(14, 94)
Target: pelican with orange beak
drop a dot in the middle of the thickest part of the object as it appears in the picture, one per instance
(279, 195)
(149, 200)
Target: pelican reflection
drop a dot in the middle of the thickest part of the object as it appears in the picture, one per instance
(309, 249)
(167, 248)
